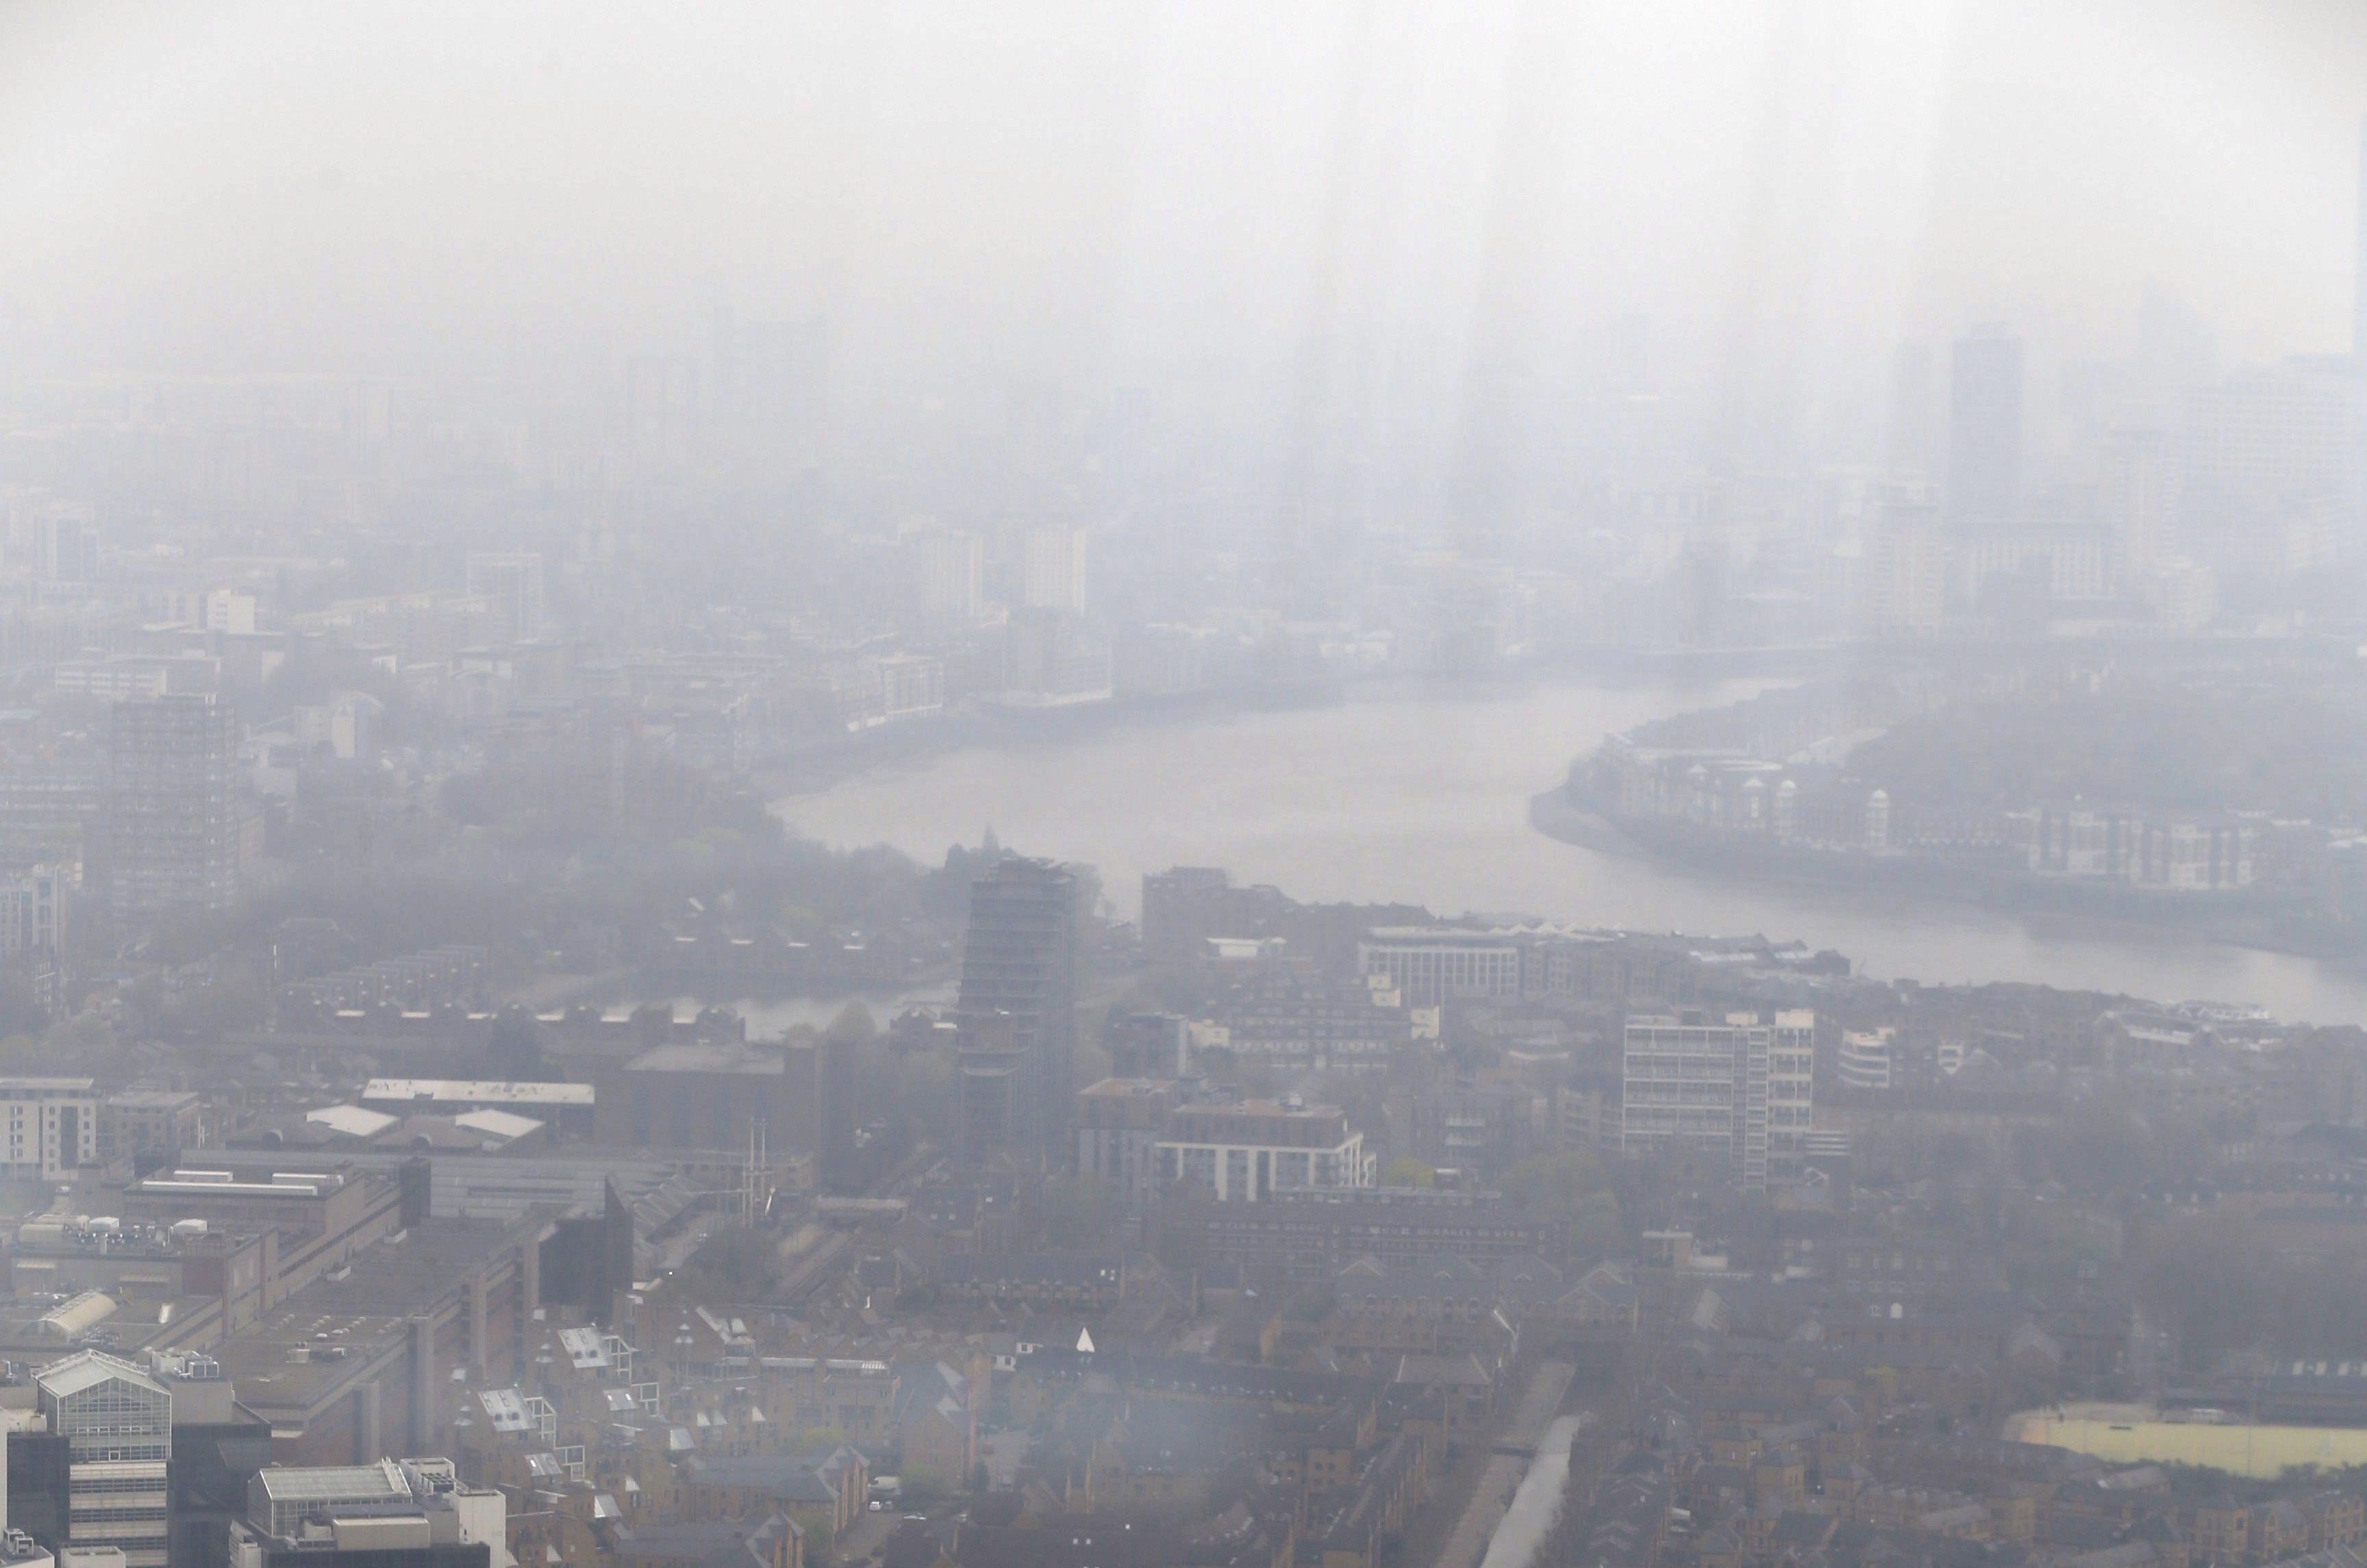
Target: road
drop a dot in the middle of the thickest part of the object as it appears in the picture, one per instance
(1002, 1453)
(866, 1536)
(1501, 1476)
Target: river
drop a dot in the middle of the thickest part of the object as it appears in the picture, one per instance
(1422, 795)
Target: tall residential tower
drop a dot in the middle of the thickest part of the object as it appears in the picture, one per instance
(1016, 1012)
(171, 825)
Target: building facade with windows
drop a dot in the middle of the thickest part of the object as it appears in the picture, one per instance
(51, 1125)
(1865, 1058)
(1255, 1150)
(173, 832)
(1428, 964)
(117, 1425)
(1742, 1087)
(1016, 1013)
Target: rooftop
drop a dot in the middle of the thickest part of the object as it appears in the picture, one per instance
(351, 1119)
(88, 1368)
(723, 1057)
(382, 1482)
(152, 1098)
(1120, 1088)
(480, 1091)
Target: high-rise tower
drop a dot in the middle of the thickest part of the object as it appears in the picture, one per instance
(172, 833)
(1016, 1015)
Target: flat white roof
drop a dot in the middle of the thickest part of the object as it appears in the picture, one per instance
(351, 1119)
(479, 1091)
(499, 1123)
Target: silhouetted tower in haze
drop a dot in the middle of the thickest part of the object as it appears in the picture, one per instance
(1016, 1012)
(1985, 429)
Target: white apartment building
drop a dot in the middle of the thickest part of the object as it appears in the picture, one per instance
(1262, 1148)
(1744, 1086)
(52, 1125)
(1427, 963)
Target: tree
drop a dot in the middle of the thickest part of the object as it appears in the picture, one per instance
(923, 1488)
(1406, 1171)
(516, 1052)
(1569, 1192)
(1078, 1210)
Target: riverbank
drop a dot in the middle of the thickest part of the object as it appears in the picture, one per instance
(2263, 921)
(1421, 792)
(820, 765)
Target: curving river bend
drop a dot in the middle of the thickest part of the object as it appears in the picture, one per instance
(1423, 796)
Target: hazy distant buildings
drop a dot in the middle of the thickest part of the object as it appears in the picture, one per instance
(172, 822)
(1015, 1012)
(866, 693)
(1052, 570)
(2134, 501)
(770, 381)
(68, 544)
(1120, 1121)
(32, 910)
(2268, 456)
(1186, 905)
(952, 572)
(1985, 429)
(1911, 434)
(1160, 661)
(2052, 566)
(1054, 659)
(2184, 597)
(661, 415)
(512, 581)
(1906, 569)
(1740, 1089)
(2168, 851)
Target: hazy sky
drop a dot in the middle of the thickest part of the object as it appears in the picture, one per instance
(1169, 188)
